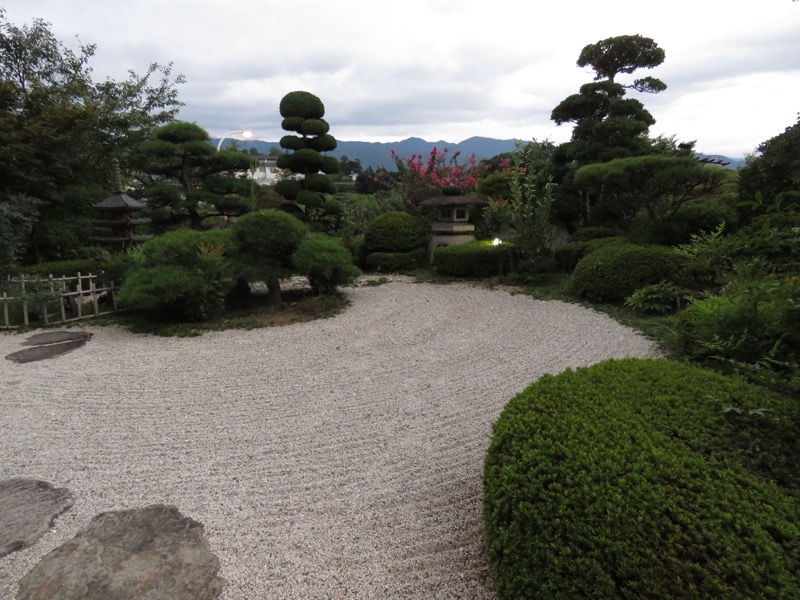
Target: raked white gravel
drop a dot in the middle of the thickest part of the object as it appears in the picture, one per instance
(340, 458)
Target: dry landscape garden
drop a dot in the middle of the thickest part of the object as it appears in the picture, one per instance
(568, 371)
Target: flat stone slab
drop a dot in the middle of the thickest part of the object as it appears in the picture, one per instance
(28, 508)
(55, 337)
(49, 345)
(150, 553)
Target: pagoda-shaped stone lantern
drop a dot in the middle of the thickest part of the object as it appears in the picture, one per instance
(451, 226)
(117, 216)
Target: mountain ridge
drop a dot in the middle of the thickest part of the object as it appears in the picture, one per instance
(379, 154)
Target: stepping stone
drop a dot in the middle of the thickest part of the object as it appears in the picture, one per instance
(28, 508)
(55, 337)
(152, 553)
(49, 345)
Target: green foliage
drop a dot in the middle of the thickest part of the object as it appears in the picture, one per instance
(326, 262)
(198, 177)
(59, 130)
(315, 127)
(292, 142)
(643, 478)
(657, 298)
(584, 234)
(775, 169)
(657, 185)
(569, 255)
(288, 188)
(393, 262)
(615, 271)
(266, 239)
(301, 104)
(182, 275)
(751, 318)
(474, 259)
(622, 54)
(690, 219)
(395, 232)
(531, 201)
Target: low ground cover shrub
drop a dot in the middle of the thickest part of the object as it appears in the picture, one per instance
(643, 478)
(473, 259)
(615, 271)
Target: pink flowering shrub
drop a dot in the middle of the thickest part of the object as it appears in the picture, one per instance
(421, 179)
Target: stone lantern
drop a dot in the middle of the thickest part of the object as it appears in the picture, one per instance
(451, 226)
(117, 217)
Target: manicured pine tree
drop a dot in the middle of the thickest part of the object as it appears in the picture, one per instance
(302, 114)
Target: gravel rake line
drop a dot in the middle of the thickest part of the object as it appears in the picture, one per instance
(340, 458)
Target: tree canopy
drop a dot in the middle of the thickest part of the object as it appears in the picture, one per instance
(60, 131)
(189, 187)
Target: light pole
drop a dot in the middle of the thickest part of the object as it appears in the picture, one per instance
(245, 134)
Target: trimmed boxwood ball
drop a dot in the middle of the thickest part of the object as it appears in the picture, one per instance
(292, 142)
(288, 188)
(395, 231)
(310, 199)
(322, 143)
(305, 161)
(326, 262)
(292, 124)
(643, 478)
(315, 127)
(330, 165)
(284, 161)
(302, 104)
(317, 182)
(615, 271)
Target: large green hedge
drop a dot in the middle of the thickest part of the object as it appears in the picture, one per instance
(643, 478)
(473, 259)
(615, 271)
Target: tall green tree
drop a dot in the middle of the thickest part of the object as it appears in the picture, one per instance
(608, 125)
(195, 181)
(59, 131)
(302, 114)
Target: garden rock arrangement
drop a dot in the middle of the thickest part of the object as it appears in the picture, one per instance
(49, 344)
(28, 508)
(151, 553)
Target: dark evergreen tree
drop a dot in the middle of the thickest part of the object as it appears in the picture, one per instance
(302, 114)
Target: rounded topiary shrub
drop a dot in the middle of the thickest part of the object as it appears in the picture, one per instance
(302, 104)
(615, 271)
(569, 255)
(643, 478)
(182, 275)
(395, 232)
(473, 259)
(326, 262)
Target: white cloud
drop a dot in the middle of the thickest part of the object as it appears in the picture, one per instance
(446, 69)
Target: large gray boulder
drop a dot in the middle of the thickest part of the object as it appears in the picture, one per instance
(28, 508)
(150, 553)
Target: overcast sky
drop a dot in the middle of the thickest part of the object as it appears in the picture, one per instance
(446, 69)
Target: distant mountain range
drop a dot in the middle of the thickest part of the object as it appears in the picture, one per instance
(379, 154)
